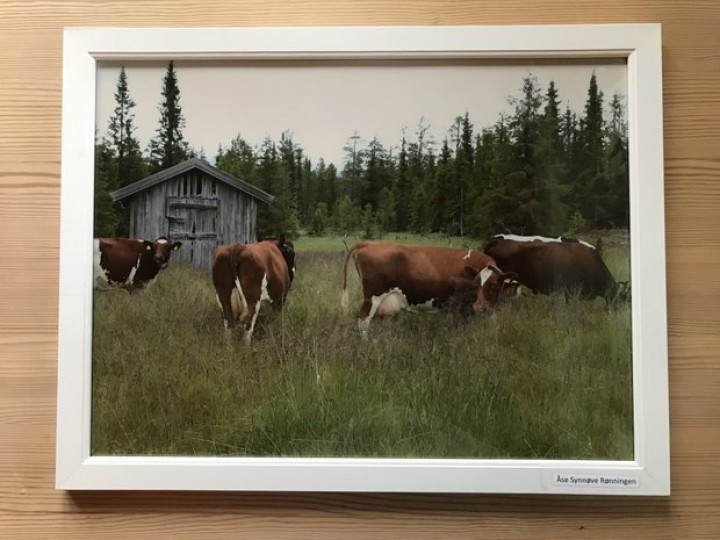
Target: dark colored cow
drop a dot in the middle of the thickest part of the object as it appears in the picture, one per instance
(246, 275)
(130, 264)
(401, 276)
(566, 265)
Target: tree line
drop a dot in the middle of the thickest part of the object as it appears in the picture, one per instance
(542, 169)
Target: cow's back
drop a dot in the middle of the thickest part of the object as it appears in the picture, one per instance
(547, 267)
(263, 263)
(117, 257)
(422, 273)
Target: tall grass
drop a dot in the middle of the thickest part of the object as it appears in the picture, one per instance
(540, 377)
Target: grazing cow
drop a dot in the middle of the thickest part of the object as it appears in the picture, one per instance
(548, 265)
(401, 276)
(130, 264)
(245, 275)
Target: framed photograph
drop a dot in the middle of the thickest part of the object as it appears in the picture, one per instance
(384, 259)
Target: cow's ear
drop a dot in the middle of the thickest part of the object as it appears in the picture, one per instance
(176, 246)
(148, 245)
(471, 272)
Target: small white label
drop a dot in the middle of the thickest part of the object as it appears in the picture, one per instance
(596, 481)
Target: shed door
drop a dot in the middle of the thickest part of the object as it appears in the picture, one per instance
(194, 221)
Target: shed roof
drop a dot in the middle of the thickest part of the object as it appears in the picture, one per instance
(193, 163)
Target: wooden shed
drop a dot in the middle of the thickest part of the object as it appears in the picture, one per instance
(195, 203)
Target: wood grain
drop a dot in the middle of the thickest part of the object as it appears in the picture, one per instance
(30, 113)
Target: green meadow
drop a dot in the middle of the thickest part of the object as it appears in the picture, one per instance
(540, 377)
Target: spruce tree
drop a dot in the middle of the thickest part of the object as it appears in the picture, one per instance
(551, 125)
(121, 150)
(106, 216)
(378, 172)
(385, 213)
(402, 189)
(130, 166)
(592, 194)
(278, 218)
(168, 147)
(238, 160)
(352, 172)
(527, 197)
(617, 168)
(464, 166)
(443, 219)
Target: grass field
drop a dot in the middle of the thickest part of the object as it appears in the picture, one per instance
(541, 377)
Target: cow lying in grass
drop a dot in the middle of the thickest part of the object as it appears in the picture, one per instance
(400, 276)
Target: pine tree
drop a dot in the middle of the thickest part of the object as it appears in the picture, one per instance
(347, 215)
(353, 170)
(484, 179)
(464, 166)
(168, 147)
(527, 198)
(420, 178)
(106, 216)
(320, 220)
(238, 160)
(328, 184)
(291, 156)
(443, 198)
(551, 125)
(278, 218)
(402, 189)
(378, 172)
(592, 190)
(385, 213)
(617, 168)
(307, 193)
(121, 127)
(123, 149)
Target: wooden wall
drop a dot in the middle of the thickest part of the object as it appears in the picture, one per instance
(30, 96)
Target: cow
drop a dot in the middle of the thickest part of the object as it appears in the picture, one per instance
(129, 263)
(566, 265)
(402, 276)
(246, 275)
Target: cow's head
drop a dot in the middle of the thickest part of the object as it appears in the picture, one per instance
(287, 249)
(161, 250)
(492, 285)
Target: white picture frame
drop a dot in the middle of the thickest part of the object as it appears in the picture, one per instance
(639, 44)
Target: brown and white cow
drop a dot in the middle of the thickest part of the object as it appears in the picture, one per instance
(246, 275)
(402, 276)
(129, 263)
(566, 265)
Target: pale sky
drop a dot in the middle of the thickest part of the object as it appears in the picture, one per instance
(323, 105)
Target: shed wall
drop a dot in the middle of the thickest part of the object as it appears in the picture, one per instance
(197, 210)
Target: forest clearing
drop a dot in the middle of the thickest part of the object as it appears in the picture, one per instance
(540, 377)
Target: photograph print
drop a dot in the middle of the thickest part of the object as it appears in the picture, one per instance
(366, 258)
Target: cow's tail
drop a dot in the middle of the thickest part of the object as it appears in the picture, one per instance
(345, 297)
(235, 252)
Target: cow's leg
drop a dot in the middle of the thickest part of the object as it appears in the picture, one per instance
(364, 317)
(224, 300)
(253, 301)
(249, 321)
(370, 307)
